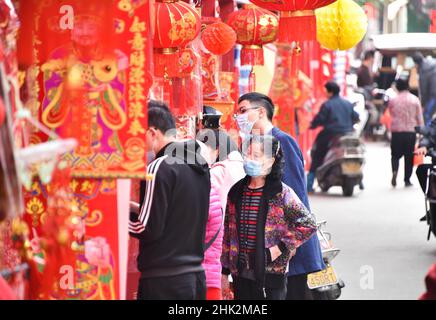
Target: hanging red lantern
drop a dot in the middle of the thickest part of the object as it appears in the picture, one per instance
(176, 24)
(219, 38)
(254, 27)
(297, 17)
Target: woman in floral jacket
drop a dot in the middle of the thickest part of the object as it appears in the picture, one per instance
(265, 223)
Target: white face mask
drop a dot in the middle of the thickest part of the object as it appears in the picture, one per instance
(245, 126)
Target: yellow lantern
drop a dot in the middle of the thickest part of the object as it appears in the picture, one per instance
(341, 25)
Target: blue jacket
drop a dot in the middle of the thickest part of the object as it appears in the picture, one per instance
(337, 115)
(308, 258)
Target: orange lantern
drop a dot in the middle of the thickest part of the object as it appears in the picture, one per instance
(254, 27)
(176, 24)
(297, 17)
(218, 38)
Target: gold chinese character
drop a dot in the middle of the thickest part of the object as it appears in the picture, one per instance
(136, 93)
(136, 110)
(138, 42)
(136, 75)
(137, 59)
(137, 26)
(136, 128)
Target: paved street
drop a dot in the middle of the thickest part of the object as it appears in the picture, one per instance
(378, 229)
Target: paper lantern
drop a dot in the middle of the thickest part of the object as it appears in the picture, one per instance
(341, 25)
(297, 17)
(176, 24)
(218, 38)
(254, 27)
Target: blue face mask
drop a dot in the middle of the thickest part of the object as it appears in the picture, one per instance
(253, 168)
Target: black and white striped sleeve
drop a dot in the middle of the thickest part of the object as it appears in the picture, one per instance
(150, 222)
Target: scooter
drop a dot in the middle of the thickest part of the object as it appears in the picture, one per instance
(342, 165)
(430, 190)
(376, 102)
(325, 284)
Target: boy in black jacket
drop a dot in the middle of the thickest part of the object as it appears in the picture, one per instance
(172, 218)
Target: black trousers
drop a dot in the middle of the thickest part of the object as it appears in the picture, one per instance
(298, 289)
(245, 289)
(320, 149)
(421, 173)
(190, 286)
(403, 145)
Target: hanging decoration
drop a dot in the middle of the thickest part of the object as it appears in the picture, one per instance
(219, 38)
(297, 17)
(254, 27)
(176, 24)
(341, 25)
(92, 90)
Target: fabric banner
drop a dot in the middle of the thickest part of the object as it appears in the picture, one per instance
(93, 92)
(96, 269)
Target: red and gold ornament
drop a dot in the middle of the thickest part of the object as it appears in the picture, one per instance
(176, 24)
(254, 27)
(297, 17)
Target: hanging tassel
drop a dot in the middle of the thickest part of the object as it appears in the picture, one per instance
(252, 81)
(252, 55)
(297, 26)
(165, 62)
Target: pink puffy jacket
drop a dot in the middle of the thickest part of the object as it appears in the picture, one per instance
(223, 175)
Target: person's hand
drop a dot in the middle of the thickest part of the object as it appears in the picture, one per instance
(134, 207)
(225, 284)
(226, 290)
(421, 151)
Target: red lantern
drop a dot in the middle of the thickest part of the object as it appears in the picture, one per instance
(177, 23)
(254, 27)
(297, 17)
(218, 38)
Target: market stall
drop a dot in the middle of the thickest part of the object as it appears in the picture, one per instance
(75, 78)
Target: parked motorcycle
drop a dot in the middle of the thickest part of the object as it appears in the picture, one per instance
(376, 102)
(342, 166)
(430, 190)
(325, 284)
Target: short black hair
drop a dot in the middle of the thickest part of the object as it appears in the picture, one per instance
(218, 139)
(160, 117)
(369, 54)
(402, 84)
(418, 57)
(259, 100)
(272, 149)
(332, 87)
(158, 104)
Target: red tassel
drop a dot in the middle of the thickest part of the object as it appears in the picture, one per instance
(252, 55)
(297, 28)
(165, 63)
(252, 81)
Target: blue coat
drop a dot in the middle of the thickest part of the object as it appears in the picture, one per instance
(308, 258)
(337, 115)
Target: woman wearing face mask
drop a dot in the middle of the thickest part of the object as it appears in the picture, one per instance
(265, 223)
(225, 170)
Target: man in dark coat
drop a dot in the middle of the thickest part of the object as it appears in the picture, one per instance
(255, 113)
(337, 116)
(427, 84)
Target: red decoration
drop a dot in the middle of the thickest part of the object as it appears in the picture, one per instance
(2, 113)
(218, 38)
(254, 27)
(176, 24)
(297, 17)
